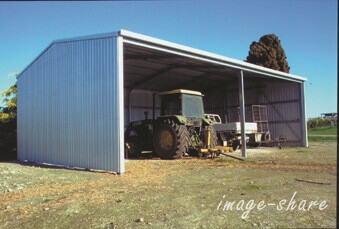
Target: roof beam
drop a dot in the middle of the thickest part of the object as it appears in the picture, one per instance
(148, 56)
(152, 76)
(200, 66)
(190, 81)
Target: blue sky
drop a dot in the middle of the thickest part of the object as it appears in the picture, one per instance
(307, 29)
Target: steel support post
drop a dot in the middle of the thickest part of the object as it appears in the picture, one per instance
(303, 119)
(242, 113)
(129, 106)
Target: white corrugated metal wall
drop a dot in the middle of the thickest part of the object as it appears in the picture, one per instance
(68, 106)
(283, 110)
(141, 101)
(282, 99)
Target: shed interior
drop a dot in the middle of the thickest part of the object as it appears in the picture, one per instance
(147, 71)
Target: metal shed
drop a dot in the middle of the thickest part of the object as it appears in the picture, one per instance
(78, 95)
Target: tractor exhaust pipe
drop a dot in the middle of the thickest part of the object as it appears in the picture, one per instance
(153, 106)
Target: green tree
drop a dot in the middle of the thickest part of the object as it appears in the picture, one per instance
(269, 53)
(8, 113)
(8, 133)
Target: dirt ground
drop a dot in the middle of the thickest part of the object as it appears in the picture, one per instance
(181, 193)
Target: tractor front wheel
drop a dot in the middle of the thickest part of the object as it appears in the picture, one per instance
(132, 148)
(171, 139)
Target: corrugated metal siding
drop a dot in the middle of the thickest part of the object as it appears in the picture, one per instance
(283, 92)
(284, 96)
(141, 101)
(68, 107)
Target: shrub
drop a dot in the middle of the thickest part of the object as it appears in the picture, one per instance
(320, 122)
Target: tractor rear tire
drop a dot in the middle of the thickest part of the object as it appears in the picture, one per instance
(171, 139)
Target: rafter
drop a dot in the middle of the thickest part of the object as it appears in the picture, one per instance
(152, 76)
(148, 56)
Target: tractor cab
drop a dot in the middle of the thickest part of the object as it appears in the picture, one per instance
(182, 102)
(186, 105)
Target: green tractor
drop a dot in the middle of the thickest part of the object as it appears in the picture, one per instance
(181, 128)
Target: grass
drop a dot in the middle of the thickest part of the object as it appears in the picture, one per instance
(323, 134)
(320, 138)
(253, 186)
(173, 194)
(227, 160)
(327, 130)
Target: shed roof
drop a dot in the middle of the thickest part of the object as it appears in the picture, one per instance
(174, 48)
